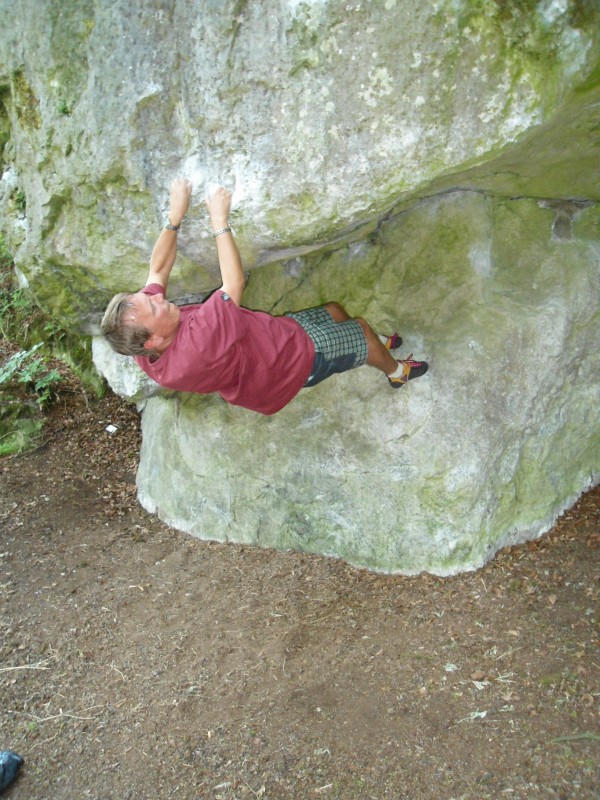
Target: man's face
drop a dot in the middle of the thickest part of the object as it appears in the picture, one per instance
(156, 314)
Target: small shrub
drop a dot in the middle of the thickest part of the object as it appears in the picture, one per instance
(32, 371)
(34, 352)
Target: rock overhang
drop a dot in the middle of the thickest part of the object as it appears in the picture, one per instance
(346, 111)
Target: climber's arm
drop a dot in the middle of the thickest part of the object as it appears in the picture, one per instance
(230, 262)
(165, 249)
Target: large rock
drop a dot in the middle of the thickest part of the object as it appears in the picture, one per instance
(487, 449)
(321, 114)
(434, 167)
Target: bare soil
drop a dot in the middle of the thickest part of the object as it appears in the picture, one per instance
(138, 662)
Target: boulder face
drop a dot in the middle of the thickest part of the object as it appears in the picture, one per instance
(321, 115)
(433, 168)
(487, 449)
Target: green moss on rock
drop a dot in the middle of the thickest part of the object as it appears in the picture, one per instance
(27, 104)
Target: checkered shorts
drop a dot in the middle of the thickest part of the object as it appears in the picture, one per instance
(339, 346)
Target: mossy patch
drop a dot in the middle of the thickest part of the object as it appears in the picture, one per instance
(4, 122)
(27, 104)
(34, 348)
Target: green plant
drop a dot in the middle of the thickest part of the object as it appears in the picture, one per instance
(31, 344)
(20, 201)
(5, 257)
(11, 303)
(64, 107)
(32, 371)
(21, 321)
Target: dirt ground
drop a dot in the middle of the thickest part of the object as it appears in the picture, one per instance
(138, 662)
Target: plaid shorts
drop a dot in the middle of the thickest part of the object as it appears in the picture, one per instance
(339, 346)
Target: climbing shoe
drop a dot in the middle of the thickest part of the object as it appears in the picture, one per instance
(411, 369)
(393, 342)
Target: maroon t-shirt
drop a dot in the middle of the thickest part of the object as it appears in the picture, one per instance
(251, 358)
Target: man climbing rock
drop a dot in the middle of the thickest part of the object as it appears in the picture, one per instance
(251, 358)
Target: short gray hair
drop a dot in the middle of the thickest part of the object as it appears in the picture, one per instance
(125, 337)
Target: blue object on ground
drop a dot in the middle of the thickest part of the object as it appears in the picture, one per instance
(10, 764)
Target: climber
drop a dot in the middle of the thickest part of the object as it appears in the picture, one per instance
(251, 358)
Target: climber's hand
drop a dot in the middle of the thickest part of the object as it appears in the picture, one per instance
(181, 192)
(219, 206)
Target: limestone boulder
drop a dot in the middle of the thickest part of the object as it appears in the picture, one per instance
(122, 374)
(321, 115)
(435, 167)
(486, 450)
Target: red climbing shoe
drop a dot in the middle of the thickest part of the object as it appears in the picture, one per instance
(393, 342)
(410, 370)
